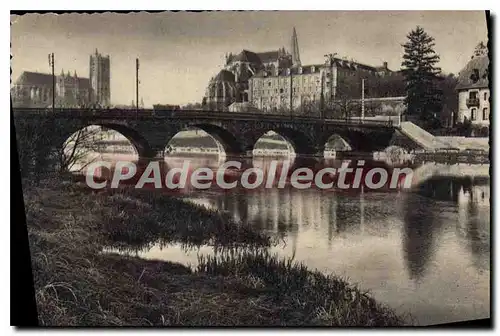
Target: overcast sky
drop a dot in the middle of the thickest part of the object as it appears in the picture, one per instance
(179, 52)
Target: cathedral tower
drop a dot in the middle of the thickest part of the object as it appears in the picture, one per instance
(294, 49)
(100, 79)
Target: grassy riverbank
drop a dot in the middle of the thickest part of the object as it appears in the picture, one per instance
(77, 284)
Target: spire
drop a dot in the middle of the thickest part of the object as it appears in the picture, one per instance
(75, 75)
(62, 72)
(294, 49)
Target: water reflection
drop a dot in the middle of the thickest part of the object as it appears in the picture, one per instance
(421, 225)
(425, 250)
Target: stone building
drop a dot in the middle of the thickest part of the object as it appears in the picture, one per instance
(34, 89)
(230, 85)
(72, 91)
(474, 92)
(100, 81)
(269, 81)
(310, 86)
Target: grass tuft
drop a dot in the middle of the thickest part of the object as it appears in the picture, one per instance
(76, 284)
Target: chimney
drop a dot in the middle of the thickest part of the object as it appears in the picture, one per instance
(385, 65)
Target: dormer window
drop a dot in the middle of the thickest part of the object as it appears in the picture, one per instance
(288, 71)
(313, 68)
(300, 70)
(485, 74)
(474, 77)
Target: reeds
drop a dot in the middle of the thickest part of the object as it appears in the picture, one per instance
(78, 285)
(300, 296)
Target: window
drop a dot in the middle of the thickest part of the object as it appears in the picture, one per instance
(474, 77)
(473, 114)
(485, 96)
(485, 74)
(281, 90)
(485, 114)
(473, 95)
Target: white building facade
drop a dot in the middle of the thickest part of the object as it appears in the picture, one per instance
(474, 92)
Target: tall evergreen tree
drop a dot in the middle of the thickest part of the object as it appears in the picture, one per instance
(421, 75)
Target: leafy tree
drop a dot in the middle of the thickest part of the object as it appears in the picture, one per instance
(392, 85)
(421, 75)
(347, 95)
(447, 85)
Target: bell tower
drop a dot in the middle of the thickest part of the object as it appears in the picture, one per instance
(100, 79)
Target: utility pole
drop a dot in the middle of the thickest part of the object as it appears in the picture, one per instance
(51, 63)
(137, 87)
(362, 99)
(291, 93)
(322, 98)
(332, 98)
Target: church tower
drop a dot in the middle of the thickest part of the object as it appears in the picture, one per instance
(294, 49)
(100, 79)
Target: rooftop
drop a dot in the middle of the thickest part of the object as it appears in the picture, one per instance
(44, 79)
(474, 74)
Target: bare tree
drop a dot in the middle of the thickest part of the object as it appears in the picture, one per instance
(38, 150)
(76, 152)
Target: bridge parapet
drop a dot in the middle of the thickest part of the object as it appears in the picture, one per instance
(127, 114)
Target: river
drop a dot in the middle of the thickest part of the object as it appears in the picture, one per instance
(424, 251)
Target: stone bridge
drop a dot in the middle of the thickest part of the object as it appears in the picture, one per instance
(150, 131)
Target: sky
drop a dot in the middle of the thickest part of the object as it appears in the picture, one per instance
(180, 52)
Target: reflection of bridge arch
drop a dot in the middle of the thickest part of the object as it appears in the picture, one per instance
(431, 169)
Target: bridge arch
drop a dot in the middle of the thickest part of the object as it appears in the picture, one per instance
(337, 143)
(140, 144)
(221, 136)
(194, 140)
(91, 133)
(299, 141)
(274, 144)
